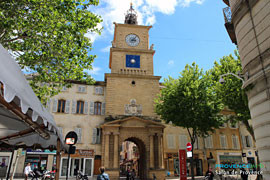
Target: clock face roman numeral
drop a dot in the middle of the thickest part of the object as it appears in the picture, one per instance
(132, 40)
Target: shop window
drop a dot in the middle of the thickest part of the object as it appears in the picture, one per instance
(61, 106)
(80, 107)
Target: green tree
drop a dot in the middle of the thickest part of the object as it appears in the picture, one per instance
(231, 92)
(189, 102)
(48, 39)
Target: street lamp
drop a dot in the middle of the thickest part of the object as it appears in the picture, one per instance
(222, 81)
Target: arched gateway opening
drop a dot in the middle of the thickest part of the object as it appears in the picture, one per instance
(133, 159)
(145, 135)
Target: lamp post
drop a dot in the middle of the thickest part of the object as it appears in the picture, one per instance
(222, 81)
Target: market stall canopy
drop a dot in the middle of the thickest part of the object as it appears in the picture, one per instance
(23, 119)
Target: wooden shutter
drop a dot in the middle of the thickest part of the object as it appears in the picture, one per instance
(183, 141)
(67, 106)
(94, 137)
(73, 109)
(197, 143)
(55, 103)
(100, 90)
(170, 139)
(250, 141)
(79, 134)
(98, 135)
(103, 108)
(85, 107)
(61, 131)
(92, 108)
(96, 90)
(223, 142)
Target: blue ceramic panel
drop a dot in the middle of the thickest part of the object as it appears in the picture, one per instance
(132, 61)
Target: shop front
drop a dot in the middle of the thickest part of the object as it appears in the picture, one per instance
(4, 163)
(82, 160)
(228, 161)
(41, 159)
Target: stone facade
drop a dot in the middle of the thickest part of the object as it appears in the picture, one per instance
(251, 20)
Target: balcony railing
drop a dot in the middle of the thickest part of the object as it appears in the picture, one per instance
(228, 24)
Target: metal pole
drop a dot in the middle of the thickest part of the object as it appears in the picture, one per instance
(10, 163)
(68, 161)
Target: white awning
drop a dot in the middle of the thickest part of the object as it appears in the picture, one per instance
(18, 91)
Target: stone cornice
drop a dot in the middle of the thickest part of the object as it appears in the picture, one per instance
(115, 49)
(131, 76)
(132, 25)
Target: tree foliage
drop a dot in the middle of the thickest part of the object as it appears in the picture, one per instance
(231, 92)
(48, 39)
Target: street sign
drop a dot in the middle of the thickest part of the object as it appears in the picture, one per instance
(182, 164)
(71, 138)
(189, 146)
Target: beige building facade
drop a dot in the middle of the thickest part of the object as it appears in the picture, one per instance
(251, 28)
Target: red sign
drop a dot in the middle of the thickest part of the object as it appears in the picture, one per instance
(189, 146)
(182, 164)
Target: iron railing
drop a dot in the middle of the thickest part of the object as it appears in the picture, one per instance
(227, 15)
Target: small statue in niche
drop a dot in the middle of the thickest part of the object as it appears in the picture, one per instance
(152, 47)
(113, 44)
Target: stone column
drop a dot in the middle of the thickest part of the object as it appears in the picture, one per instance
(107, 143)
(151, 151)
(115, 153)
(162, 152)
(159, 152)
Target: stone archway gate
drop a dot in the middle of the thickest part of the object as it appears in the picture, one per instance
(148, 131)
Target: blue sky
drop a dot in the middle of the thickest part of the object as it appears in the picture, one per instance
(184, 31)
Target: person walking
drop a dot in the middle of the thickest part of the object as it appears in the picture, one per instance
(209, 174)
(27, 170)
(103, 175)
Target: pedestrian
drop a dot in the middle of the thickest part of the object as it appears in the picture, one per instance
(103, 175)
(209, 174)
(133, 174)
(128, 174)
(244, 174)
(27, 170)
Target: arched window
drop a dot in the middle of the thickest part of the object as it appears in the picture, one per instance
(97, 108)
(61, 106)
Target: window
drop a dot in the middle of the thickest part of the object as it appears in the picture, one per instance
(235, 142)
(182, 141)
(81, 88)
(80, 107)
(197, 143)
(98, 90)
(64, 88)
(208, 142)
(79, 134)
(223, 125)
(61, 106)
(248, 141)
(223, 141)
(170, 141)
(97, 108)
(233, 125)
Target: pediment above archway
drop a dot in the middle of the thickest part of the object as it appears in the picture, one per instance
(135, 122)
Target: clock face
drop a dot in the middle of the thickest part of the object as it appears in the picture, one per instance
(132, 40)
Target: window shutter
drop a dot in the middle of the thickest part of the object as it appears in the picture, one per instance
(208, 142)
(61, 131)
(91, 108)
(100, 90)
(67, 106)
(183, 141)
(197, 143)
(223, 142)
(170, 139)
(73, 109)
(250, 141)
(103, 108)
(98, 135)
(235, 142)
(55, 102)
(79, 134)
(94, 137)
(96, 90)
(85, 107)
(243, 141)
(48, 105)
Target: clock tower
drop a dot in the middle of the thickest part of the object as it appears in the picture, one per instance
(131, 88)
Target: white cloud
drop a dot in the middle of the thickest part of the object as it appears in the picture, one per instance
(115, 10)
(94, 71)
(106, 49)
(171, 62)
